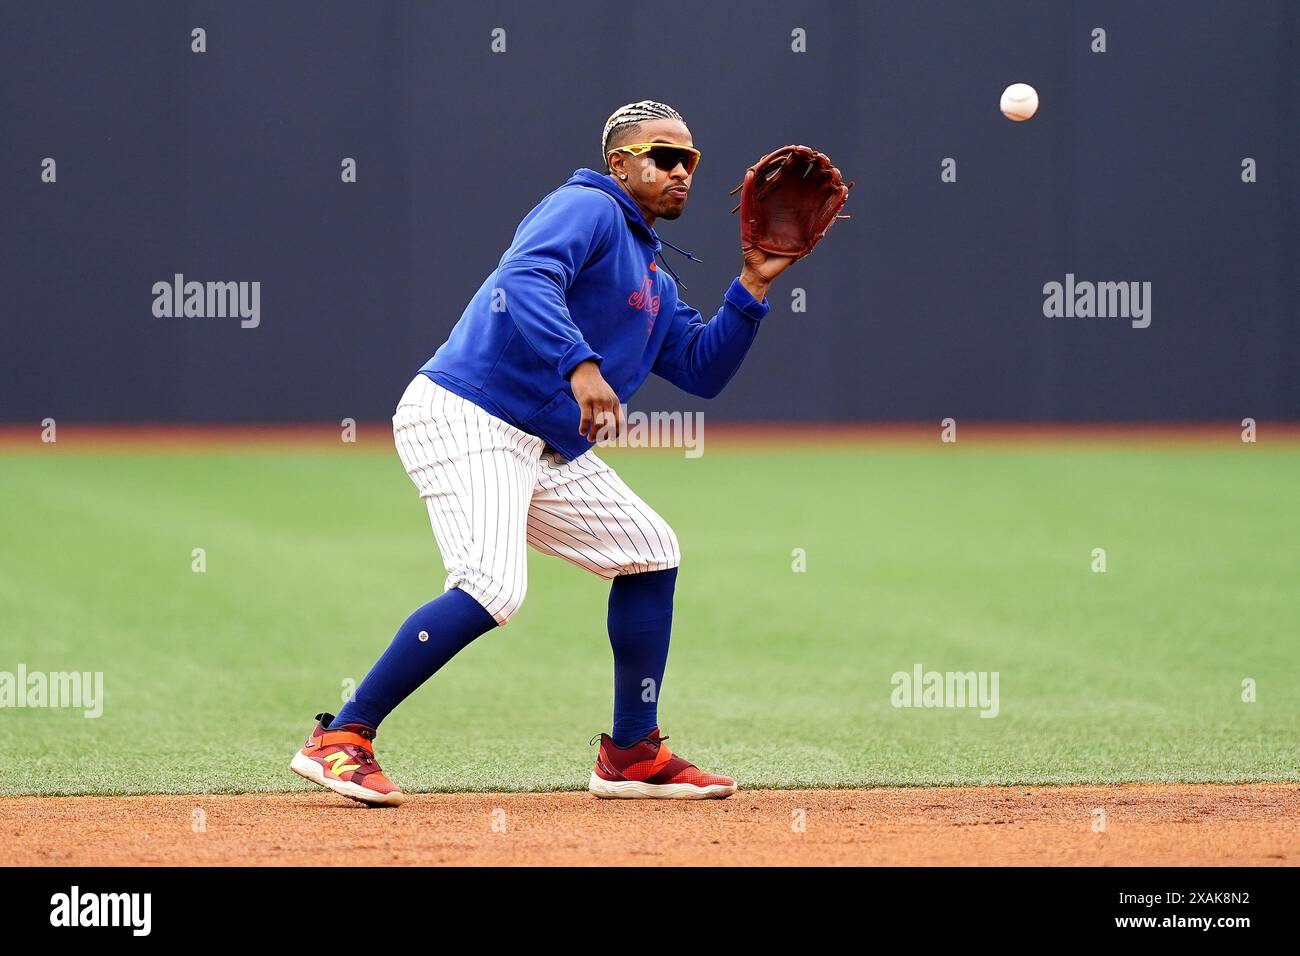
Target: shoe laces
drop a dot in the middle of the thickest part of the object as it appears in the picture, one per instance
(359, 753)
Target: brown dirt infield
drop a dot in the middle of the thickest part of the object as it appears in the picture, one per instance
(1165, 824)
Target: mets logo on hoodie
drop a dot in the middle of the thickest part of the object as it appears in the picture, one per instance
(645, 300)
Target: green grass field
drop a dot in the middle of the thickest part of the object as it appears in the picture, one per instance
(958, 558)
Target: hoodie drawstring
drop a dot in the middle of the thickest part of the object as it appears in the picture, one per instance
(659, 254)
(678, 249)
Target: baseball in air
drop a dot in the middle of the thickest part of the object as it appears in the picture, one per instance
(1019, 102)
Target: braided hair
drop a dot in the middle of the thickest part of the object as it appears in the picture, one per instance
(630, 116)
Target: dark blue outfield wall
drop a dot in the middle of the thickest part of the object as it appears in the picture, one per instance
(226, 165)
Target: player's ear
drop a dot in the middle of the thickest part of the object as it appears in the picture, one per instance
(618, 165)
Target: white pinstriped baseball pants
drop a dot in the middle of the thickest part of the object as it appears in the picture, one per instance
(491, 488)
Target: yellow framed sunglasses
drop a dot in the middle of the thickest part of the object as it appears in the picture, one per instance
(665, 156)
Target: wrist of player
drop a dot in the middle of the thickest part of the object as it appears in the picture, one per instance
(584, 370)
(755, 283)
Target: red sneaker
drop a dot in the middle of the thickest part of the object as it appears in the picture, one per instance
(342, 759)
(649, 770)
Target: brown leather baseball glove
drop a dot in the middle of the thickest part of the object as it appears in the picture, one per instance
(788, 200)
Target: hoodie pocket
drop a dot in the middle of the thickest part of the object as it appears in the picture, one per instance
(562, 403)
(557, 421)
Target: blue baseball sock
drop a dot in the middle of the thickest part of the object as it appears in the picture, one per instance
(449, 624)
(640, 623)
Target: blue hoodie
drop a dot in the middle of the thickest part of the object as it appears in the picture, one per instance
(579, 282)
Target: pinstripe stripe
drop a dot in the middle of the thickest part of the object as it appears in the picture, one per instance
(591, 507)
(642, 512)
(595, 507)
(600, 508)
(635, 517)
(585, 504)
(589, 467)
(523, 477)
(440, 450)
(441, 478)
(418, 454)
(538, 539)
(577, 548)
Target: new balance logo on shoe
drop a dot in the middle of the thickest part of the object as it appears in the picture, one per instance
(337, 758)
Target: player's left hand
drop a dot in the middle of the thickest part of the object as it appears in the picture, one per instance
(764, 265)
(760, 269)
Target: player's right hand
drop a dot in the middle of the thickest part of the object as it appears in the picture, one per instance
(602, 413)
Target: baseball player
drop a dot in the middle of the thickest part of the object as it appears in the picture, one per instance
(496, 432)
